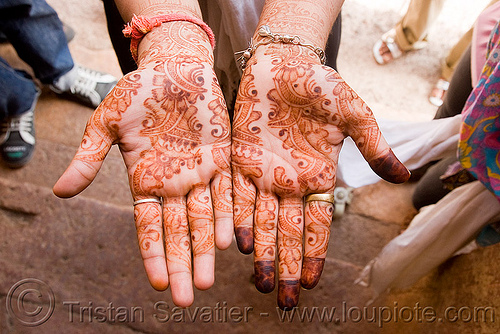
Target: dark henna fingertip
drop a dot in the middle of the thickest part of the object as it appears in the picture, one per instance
(244, 239)
(390, 168)
(264, 276)
(288, 294)
(311, 272)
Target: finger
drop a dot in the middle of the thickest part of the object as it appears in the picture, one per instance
(318, 217)
(178, 246)
(244, 206)
(365, 132)
(266, 223)
(290, 229)
(148, 224)
(95, 145)
(222, 200)
(355, 118)
(200, 217)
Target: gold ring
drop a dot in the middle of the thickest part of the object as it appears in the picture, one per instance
(330, 198)
(147, 200)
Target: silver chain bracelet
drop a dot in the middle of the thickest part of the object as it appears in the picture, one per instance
(270, 37)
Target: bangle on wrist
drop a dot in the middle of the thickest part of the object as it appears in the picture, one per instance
(139, 26)
(270, 37)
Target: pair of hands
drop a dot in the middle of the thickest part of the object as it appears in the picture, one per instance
(170, 121)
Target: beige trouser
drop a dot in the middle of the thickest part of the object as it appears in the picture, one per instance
(411, 32)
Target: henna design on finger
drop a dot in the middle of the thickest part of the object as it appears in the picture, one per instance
(200, 215)
(265, 241)
(362, 126)
(290, 221)
(146, 221)
(318, 229)
(244, 200)
(265, 234)
(177, 239)
(316, 243)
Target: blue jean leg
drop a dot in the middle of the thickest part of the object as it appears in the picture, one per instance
(39, 40)
(17, 91)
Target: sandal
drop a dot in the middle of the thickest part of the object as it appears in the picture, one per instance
(386, 49)
(437, 94)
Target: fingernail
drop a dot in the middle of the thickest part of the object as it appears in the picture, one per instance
(288, 294)
(244, 239)
(311, 272)
(264, 276)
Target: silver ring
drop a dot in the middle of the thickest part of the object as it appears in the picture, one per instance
(330, 198)
(147, 200)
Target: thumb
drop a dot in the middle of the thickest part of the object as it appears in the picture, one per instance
(366, 134)
(95, 145)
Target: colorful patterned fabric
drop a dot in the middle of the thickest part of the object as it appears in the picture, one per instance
(479, 146)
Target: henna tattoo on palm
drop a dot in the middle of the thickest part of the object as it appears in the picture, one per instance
(170, 121)
(287, 135)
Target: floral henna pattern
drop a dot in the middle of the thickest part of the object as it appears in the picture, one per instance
(200, 215)
(177, 237)
(362, 127)
(287, 136)
(290, 222)
(298, 115)
(171, 124)
(146, 220)
(105, 120)
(307, 16)
(246, 155)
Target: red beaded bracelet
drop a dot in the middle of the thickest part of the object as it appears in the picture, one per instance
(141, 25)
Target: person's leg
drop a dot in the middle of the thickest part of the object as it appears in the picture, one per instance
(17, 91)
(459, 89)
(448, 66)
(18, 97)
(40, 41)
(451, 61)
(414, 26)
(454, 101)
(430, 189)
(121, 44)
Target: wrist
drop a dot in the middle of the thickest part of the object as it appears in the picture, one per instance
(188, 29)
(281, 45)
(182, 39)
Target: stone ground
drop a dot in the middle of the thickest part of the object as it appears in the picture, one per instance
(85, 251)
